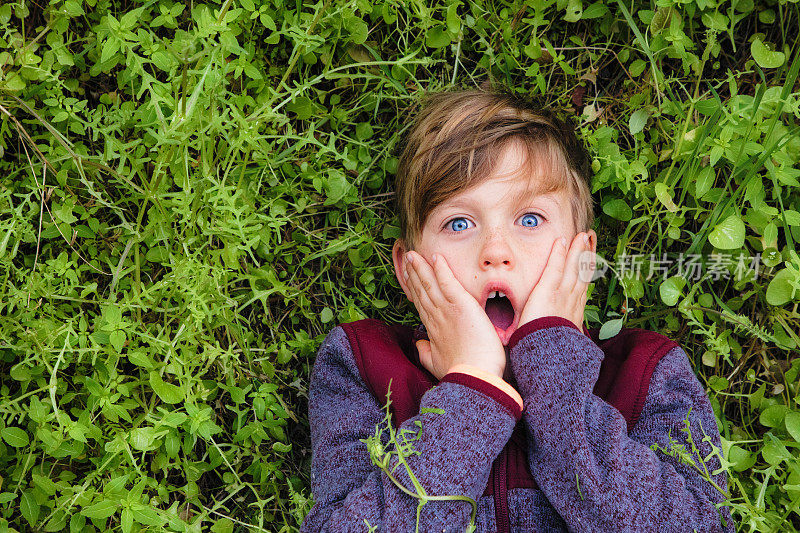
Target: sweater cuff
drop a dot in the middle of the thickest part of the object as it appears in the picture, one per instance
(489, 384)
(537, 324)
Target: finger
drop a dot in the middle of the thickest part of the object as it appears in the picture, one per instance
(580, 309)
(409, 282)
(554, 269)
(412, 282)
(425, 354)
(452, 289)
(425, 282)
(421, 298)
(587, 264)
(572, 265)
(428, 279)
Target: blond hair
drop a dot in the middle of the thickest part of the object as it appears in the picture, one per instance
(454, 144)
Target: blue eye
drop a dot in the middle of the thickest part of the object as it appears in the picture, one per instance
(530, 223)
(457, 224)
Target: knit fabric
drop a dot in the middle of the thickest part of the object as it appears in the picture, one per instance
(492, 379)
(592, 475)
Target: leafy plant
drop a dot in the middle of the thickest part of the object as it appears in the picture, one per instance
(193, 194)
(388, 457)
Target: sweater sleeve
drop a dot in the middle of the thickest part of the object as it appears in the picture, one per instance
(596, 475)
(464, 423)
(492, 379)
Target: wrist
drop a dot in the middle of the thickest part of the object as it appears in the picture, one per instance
(476, 370)
(491, 378)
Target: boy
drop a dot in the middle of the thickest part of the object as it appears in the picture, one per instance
(516, 405)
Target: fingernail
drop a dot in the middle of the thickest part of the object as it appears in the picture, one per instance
(563, 241)
(585, 238)
(410, 257)
(433, 258)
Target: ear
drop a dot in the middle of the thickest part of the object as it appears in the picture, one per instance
(398, 258)
(592, 240)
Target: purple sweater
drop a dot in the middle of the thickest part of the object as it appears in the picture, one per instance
(591, 473)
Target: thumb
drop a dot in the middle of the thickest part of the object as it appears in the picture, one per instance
(425, 355)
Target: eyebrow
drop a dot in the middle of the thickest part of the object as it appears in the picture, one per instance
(533, 197)
(529, 198)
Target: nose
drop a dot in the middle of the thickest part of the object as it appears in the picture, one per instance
(496, 251)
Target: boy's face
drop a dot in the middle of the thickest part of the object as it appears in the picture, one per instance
(488, 236)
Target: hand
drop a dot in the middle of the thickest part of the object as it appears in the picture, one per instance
(459, 330)
(561, 290)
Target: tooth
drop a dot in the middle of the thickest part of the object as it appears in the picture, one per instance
(500, 293)
(492, 294)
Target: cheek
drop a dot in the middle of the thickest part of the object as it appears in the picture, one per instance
(464, 277)
(457, 265)
(536, 269)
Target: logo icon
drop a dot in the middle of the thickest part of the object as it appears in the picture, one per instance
(591, 266)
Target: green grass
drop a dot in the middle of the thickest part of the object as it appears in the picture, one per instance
(193, 195)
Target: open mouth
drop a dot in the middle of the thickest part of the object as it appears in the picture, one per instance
(500, 311)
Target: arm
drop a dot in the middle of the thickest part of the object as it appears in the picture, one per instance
(456, 448)
(593, 473)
